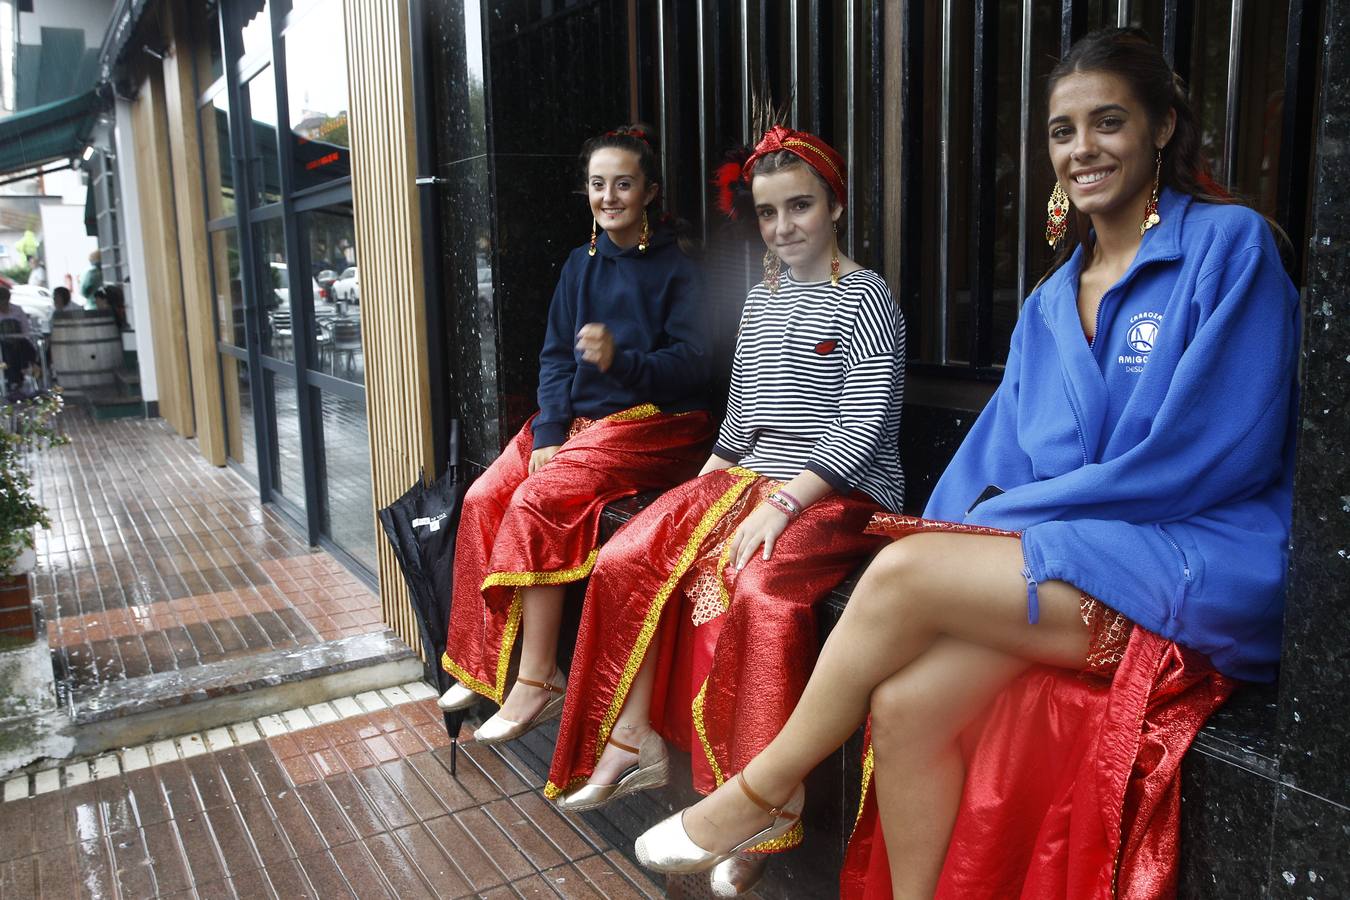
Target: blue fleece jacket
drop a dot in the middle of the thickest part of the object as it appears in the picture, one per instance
(652, 302)
(1153, 468)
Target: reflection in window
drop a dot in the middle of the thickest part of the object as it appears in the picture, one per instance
(348, 510)
(274, 289)
(214, 120)
(283, 415)
(229, 294)
(262, 101)
(240, 437)
(258, 29)
(335, 346)
(317, 90)
(213, 62)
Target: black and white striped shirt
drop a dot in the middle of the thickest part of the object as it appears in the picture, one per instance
(817, 383)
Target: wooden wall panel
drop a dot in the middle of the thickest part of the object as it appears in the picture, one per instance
(190, 206)
(159, 234)
(389, 249)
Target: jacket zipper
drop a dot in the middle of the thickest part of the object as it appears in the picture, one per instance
(1180, 592)
(1033, 599)
(1077, 421)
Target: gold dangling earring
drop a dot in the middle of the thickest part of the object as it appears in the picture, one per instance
(646, 234)
(595, 226)
(1057, 215)
(773, 266)
(1151, 216)
(834, 256)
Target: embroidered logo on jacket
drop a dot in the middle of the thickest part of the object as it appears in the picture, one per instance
(1141, 338)
(824, 347)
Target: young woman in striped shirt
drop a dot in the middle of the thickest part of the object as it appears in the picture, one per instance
(699, 622)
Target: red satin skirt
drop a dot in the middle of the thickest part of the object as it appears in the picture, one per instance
(1073, 785)
(734, 649)
(517, 530)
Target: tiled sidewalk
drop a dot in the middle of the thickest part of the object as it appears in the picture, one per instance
(158, 561)
(362, 805)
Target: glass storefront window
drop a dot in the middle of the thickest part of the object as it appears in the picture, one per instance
(348, 510)
(262, 101)
(229, 293)
(240, 431)
(335, 346)
(257, 34)
(283, 413)
(316, 86)
(213, 65)
(274, 290)
(214, 121)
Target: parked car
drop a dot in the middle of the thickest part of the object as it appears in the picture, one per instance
(348, 285)
(36, 302)
(281, 286)
(325, 279)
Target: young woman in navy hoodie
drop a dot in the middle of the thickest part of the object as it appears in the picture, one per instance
(1140, 445)
(622, 382)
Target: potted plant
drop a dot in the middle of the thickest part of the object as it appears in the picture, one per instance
(24, 428)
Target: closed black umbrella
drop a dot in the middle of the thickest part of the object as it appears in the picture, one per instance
(421, 528)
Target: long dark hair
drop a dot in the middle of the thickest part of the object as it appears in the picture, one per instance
(1129, 54)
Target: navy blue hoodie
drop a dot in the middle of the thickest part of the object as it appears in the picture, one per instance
(1154, 468)
(652, 302)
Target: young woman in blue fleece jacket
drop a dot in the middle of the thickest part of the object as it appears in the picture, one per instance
(1141, 445)
(622, 409)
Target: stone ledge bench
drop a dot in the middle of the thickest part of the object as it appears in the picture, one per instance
(1226, 795)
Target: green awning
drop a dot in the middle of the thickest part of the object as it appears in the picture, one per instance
(57, 130)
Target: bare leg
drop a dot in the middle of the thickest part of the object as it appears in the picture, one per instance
(915, 591)
(917, 715)
(541, 618)
(634, 723)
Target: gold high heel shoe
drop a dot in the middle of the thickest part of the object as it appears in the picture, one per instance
(667, 847)
(737, 874)
(456, 697)
(652, 771)
(497, 730)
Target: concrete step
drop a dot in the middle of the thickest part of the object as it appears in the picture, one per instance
(120, 713)
(139, 710)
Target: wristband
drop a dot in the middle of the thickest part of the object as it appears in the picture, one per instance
(783, 505)
(796, 504)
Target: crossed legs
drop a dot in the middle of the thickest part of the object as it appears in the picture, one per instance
(935, 628)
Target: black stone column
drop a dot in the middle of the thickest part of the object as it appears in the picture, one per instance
(1310, 853)
(1266, 796)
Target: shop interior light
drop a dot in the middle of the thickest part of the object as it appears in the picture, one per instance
(88, 153)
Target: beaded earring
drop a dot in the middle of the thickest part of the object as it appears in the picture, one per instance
(773, 267)
(1057, 215)
(834, 257)
(1151, 216)
(595, 227)
(645, 237)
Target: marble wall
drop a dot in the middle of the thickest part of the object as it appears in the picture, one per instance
(1266, 800)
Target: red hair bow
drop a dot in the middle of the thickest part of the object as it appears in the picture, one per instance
(810, 149)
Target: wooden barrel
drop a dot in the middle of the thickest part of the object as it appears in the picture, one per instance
(86, 351)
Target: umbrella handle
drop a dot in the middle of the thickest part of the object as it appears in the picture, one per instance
(454, 444)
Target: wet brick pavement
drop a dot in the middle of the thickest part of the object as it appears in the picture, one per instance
(158, 561)
(364, 806)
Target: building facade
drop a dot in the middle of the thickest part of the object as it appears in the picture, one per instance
(346, 218)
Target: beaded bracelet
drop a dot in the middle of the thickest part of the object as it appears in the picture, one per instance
(781, 505)
(798, 505)
(784, 505)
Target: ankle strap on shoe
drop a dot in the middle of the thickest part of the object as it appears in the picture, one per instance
(542, 684)
(777, 812)
(621, 745)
